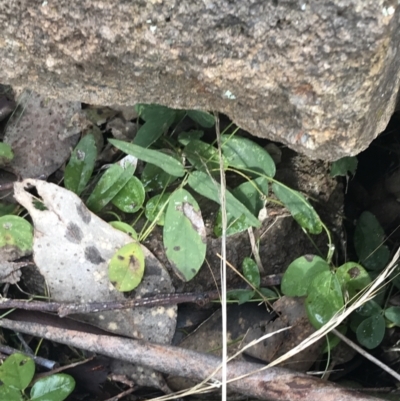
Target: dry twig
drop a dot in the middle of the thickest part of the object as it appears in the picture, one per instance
(277, 384)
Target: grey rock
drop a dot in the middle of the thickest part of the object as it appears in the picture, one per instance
(319, 76)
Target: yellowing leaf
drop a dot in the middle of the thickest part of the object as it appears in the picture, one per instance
(126, 267)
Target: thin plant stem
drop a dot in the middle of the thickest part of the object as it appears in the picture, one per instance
(223, 266)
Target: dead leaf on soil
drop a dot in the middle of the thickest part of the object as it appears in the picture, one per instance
(292, 313)
(207, 337)
(39, 135)
(72, 248)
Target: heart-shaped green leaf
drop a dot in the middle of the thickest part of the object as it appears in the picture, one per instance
(53, 388)
(131, 197)
(353, 278)
(300, 273)
(126, 267)
(17, 371)
(371, 331)
(16, 231)
(324, 299)
(242, 153)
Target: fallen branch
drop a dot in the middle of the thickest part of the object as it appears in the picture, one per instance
(64, 308)
(276, 384)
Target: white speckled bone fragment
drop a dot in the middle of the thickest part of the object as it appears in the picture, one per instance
(72, 248)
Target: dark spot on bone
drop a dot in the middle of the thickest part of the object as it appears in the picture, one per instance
(83, 212)
(177, 248)
(152, 270)
(93, 255)
(74, 233)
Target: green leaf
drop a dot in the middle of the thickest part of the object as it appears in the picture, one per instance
(353, 278)
(343, 166)
(6, 153)
(148, 112)
(243, 153)
(355, 321)
(242, 296)
(333, 340)
(252, 193)
(7, 208)
(268, 293)
(202, 118)
(299, 207)
(393, 314)
(155, 178)
(368, 239)
(185, 137)
(205, 186)
(300, 273)
(369, 308)
(8, 393)
(131, 197)
(203, 156)
(395, 277)
(156, 208)
(53, 388)
(16, 231)
(324, 298)
(234, 225)
(126, 267)
(166, 162)
(368, 242)
(152, 129)
(112, 181)
(184, 235)
(17, 371)
(371, 331)
(81, 164)
(125, 228)
(249, 194)
(251, 272)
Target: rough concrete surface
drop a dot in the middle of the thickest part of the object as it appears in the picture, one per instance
(320, 76)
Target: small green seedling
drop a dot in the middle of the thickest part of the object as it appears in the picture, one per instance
(251, 273)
